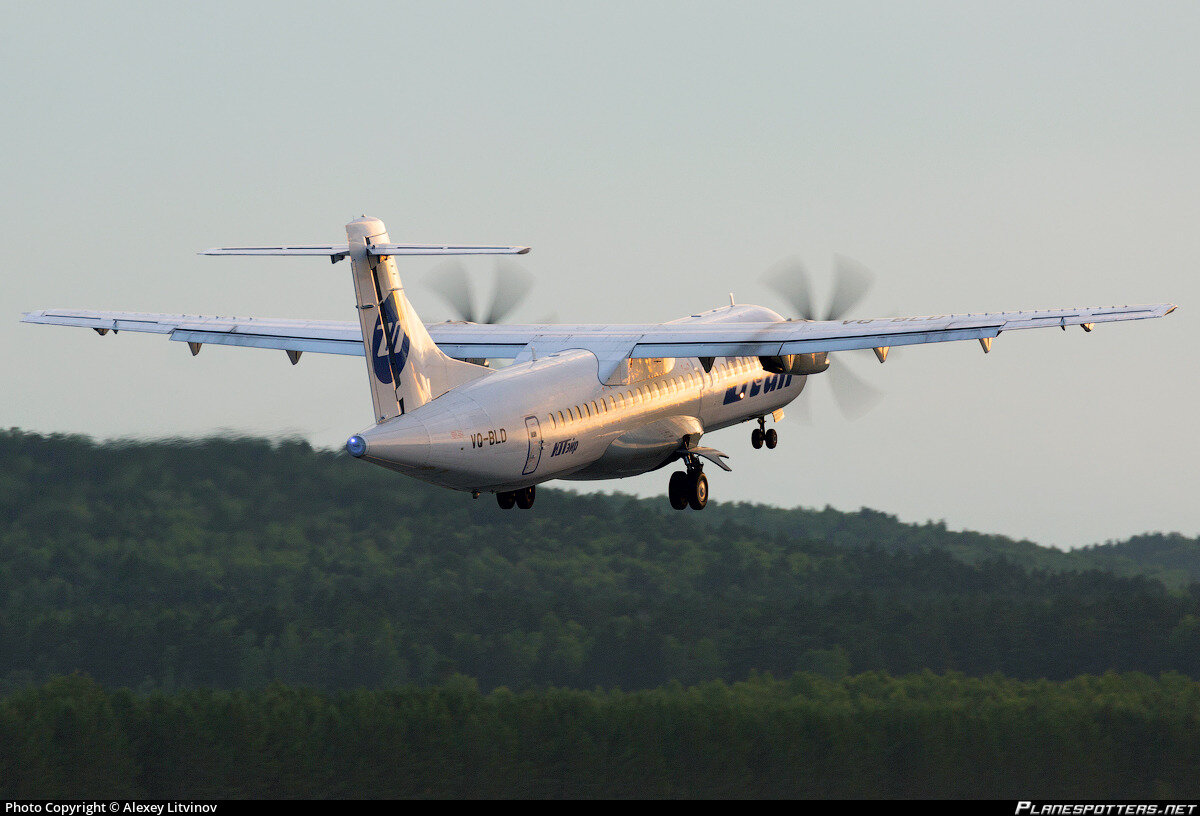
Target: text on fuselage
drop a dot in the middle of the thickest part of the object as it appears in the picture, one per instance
(756, 387)
(565, 446)
(484, 439)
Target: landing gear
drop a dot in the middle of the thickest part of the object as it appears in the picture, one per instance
(697, 490)
(761, 435)
(677, 490)
(522, 498)
(689, 488)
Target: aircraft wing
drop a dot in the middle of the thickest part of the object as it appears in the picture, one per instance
(804, 337)
(729, 339)
(682, 339)
(327, 337)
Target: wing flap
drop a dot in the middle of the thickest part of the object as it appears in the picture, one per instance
(271, 341)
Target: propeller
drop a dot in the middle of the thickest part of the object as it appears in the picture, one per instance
(512, 285)
(851, 283)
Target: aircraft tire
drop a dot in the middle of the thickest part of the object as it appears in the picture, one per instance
(756, 438)
(506, 499)
(771, 437)
(525, 497)
(698, 490)
(677, 490)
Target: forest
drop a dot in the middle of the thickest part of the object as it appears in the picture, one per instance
(229, 588)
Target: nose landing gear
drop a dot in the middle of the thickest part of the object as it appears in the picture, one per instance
(689, 488)
(762, 434)
(522, 498)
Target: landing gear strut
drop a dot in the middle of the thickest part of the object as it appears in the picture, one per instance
(522, 498)
(762, 434)
(689, 488)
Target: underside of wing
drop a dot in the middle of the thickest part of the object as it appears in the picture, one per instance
(325, 337)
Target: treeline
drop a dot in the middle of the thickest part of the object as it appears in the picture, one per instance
(233, 563)
(923, 735)
(1171, 558)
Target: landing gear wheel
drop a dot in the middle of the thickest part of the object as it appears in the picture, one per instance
(525, 497)
(756, 438)
(506, 499)
(697, 490)
(677, 490)
(771, 437)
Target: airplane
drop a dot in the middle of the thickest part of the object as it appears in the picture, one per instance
(578, 401)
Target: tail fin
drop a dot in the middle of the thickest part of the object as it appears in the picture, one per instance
(405, 367)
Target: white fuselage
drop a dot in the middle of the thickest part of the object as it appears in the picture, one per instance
(553, 418)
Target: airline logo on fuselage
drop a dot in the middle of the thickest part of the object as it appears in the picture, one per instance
(753, 389)
(565, 446)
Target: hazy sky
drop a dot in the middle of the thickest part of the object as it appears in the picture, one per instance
(976, 156)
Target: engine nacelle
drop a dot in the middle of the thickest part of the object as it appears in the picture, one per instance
(802, 364)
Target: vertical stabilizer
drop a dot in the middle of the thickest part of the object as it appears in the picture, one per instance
(405, 367)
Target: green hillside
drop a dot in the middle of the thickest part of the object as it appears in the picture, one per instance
(234, 563)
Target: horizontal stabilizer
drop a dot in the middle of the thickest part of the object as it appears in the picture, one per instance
(444, 249)
(335, 252)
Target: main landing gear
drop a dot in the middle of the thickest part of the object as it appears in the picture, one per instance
(522, 498)
(689, 488)
(763, 434)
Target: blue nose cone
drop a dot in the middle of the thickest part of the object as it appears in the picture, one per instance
(356, 446)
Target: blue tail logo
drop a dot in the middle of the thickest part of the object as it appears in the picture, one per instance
(388, 365)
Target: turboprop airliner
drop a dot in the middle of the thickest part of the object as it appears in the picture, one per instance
(578, 401)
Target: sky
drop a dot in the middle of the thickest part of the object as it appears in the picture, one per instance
(656, 156)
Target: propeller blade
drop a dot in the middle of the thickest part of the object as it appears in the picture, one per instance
(851, 282)
(450, 280)
(512, 285)
(853, 395)
(790, 279)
